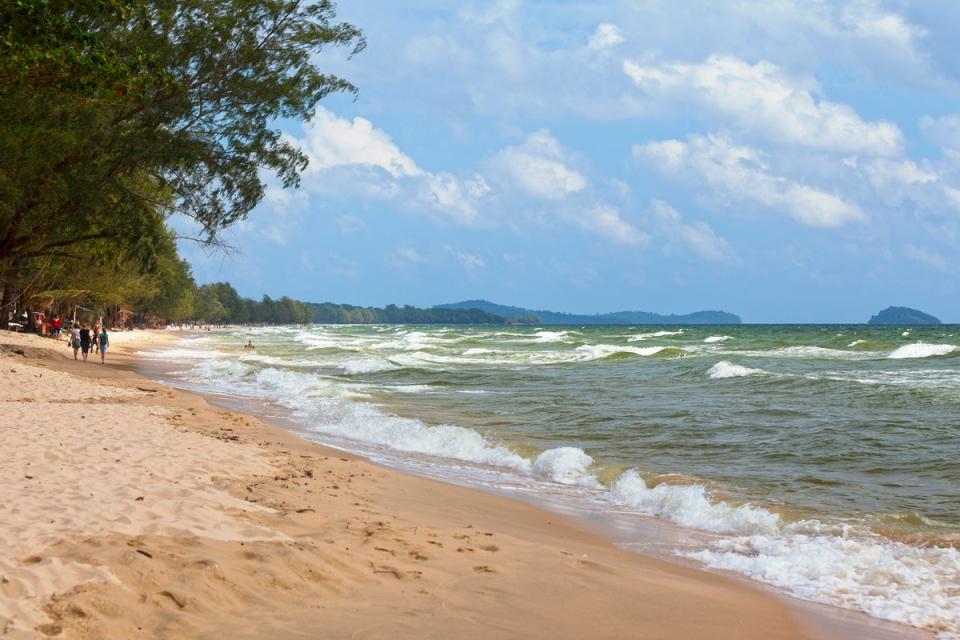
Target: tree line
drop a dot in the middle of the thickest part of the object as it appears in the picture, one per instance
(330, 313)
(220, 303)
(118, 117)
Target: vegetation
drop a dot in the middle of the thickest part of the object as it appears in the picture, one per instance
(330, 313)
(117, 114)
(220, 303)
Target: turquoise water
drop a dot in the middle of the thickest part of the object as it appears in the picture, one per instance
(823, 459)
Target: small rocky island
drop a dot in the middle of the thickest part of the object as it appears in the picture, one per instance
(903, 316)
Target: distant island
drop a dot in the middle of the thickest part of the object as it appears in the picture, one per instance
(519, 314)
(903, 316)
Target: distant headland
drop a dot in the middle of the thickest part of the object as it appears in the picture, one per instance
(903, 316)
(617, 317)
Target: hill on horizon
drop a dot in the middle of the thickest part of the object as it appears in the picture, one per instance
(903, 316)
(616, 317)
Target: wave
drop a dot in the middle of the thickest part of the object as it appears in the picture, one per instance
(365, 365)
(714, 339)
(883, 578)
(806, 351)
(590, 352)
(724, 369)
(831, 564)
(689, 506)
(922, 350)
(655, 334)
(550, 336)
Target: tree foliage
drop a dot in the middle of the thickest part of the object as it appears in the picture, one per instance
(117, 113)
(330, 313)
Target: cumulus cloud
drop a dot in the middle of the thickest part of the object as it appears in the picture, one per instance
(539, 167)
(697, 237)
(607, 35)
(763, 99)
(354, 156)
(605, 221)
(333, 141)
(740, 174)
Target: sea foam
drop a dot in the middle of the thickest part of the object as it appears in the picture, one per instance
(724, 369)
(922, 350)
(713, 339)
(690, 506)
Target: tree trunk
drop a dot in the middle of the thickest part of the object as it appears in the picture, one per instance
(9, 299)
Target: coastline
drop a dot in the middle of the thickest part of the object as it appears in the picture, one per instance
(277, 536)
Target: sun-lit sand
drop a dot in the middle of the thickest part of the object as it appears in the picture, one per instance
(128, 509)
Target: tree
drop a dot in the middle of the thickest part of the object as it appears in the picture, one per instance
(107, 104)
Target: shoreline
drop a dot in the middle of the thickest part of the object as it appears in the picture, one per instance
(296, 537)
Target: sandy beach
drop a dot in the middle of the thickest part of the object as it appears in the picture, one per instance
(132, 510)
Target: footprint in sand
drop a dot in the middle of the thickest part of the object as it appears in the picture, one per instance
(483, 569)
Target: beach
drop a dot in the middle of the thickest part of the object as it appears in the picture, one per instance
(131, 509)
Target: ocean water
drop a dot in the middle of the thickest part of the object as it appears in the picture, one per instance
(821, 460)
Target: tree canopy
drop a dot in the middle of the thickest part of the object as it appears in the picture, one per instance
(117, 114)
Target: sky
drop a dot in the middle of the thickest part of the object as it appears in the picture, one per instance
(785, 160)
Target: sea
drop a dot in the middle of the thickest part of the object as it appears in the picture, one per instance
(823, 461)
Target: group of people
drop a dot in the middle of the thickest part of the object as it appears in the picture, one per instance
(84, 340)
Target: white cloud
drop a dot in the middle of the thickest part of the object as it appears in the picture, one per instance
(607, 35)
(605, 221)
(538, 167)
(897, 180)
(944, 131)
(739, 173)
(353, 156)
(333, 141)
(404, 257)
(349, 224)
(697, 237)
(762, 99)
(469, 261)
(928, 257)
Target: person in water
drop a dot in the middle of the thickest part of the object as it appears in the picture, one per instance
(104, 343)
(249, 345)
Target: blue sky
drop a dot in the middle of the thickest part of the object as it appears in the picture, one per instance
(789, 161)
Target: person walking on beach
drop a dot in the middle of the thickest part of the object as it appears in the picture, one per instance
(55, 327)
(104, 341)
(85, 341)
(75, 339)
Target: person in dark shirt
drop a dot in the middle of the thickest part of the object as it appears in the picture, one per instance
(85, 341)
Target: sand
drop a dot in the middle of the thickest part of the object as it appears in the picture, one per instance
(131, 510)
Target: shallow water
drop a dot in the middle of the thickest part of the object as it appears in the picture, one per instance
(824, 457)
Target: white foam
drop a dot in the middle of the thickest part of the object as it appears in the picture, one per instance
(550, 336)
(598, 351)
(655, 334)
(922, 350)
(713, 339)
(883, 578)
(690, 506)
(857, 343)
(365, 365)
(566, 465)
(724, 369)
